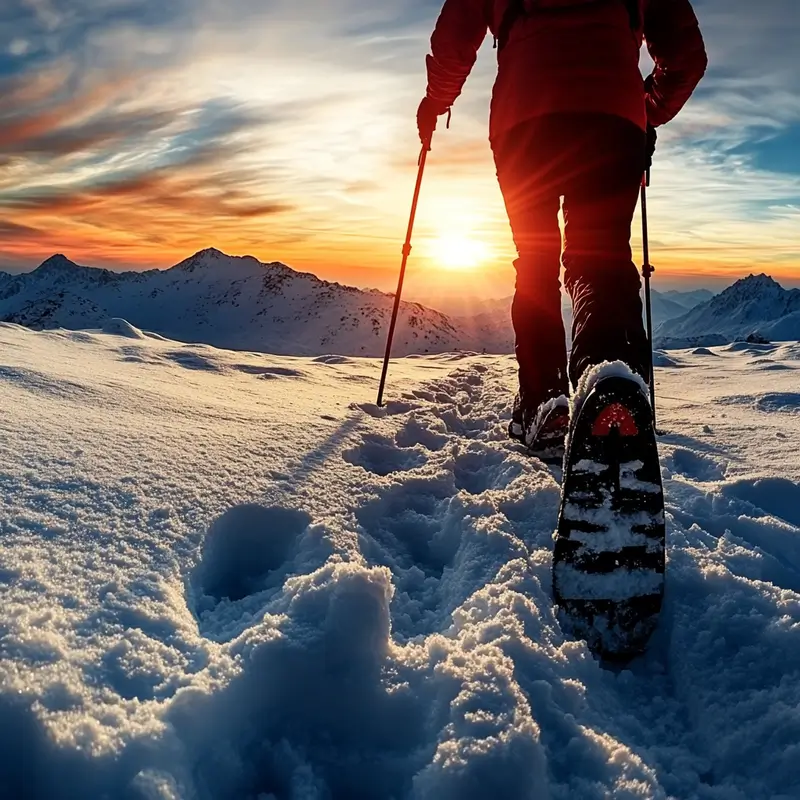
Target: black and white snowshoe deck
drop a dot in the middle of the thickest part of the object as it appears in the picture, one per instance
(609, 558)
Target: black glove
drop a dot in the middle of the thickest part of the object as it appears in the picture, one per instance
(652, 137)
(428, 113)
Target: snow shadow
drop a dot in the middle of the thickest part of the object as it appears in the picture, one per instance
(779, 497)
(40, 383)
(381, 456)
(268, 373)
(244, 547)
(34, 767)
(192, 360)
(735, 663)
(310, 714)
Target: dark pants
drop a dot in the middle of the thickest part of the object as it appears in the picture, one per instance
(595, 162)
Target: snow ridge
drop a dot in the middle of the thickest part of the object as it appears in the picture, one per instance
(237, 303)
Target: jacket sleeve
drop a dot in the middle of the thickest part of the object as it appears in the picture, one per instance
(458, 35)
(677, 48)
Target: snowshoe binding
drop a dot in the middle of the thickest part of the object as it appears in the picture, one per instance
(609, 557)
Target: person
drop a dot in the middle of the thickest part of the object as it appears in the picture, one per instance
(571, 117)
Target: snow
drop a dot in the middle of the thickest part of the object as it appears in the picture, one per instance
(231, 575)
(753, 305)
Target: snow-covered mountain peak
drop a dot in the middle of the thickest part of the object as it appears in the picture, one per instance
(57, 263)
(753, 285)
(236, 302)
(213, 259)
(761, 294)
(755, 304)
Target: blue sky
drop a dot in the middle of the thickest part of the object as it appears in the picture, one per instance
(133, 133)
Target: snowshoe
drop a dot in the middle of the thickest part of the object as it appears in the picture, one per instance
(609, 557)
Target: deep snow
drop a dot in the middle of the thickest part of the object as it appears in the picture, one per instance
(230, 575)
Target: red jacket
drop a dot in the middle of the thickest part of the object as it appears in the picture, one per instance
(582, 56)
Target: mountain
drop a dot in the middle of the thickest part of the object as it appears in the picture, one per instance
(236, 303)
(753, 305)
(688, 299)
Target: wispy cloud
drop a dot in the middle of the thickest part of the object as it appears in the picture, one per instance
(132, 131)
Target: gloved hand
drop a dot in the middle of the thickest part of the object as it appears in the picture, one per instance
(427, 114)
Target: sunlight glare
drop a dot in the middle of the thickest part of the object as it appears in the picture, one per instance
(454, 251)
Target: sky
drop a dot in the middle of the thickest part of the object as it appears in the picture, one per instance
(135, 132)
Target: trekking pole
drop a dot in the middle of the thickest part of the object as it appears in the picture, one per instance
(647, 271)
(423, 156)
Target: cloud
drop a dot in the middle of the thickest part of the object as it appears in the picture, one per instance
(130, 129)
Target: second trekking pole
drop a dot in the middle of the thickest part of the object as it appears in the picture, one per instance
(423, 156)
(647, 271)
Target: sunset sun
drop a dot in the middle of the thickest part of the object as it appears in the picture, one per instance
(454, 251)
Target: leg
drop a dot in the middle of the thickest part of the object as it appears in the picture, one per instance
(601, 278)
(532, 202)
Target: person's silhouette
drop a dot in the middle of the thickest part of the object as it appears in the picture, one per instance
(570, 118)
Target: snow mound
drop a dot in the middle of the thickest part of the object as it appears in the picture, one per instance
(688, 342)
(661, 359)
(120, 327)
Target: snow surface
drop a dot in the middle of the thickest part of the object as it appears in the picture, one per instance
(231, 575)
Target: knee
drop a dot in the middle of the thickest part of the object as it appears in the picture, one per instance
(537, 277)
(612, 281)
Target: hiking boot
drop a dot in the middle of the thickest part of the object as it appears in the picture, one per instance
(542, 429)
(520, 418)
(546, 434)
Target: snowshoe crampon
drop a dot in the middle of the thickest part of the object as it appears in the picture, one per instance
(609, 558)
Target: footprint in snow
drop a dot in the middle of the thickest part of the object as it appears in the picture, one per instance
(696, 466)
(415, 433)
(391, 409)
(402, 526)
(786, 402)
(381, 456)
(245, 548)
(778, 497)
(481, 469)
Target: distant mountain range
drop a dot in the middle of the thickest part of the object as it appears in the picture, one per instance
(237, 303)
(243, 304)
(754, 306)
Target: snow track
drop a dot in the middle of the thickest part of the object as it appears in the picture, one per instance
(230, 575)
